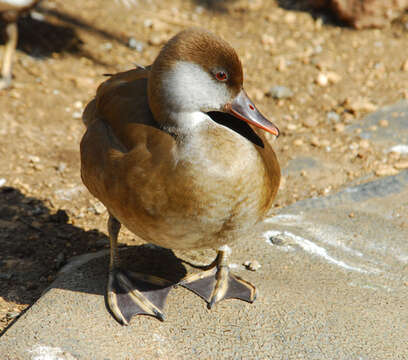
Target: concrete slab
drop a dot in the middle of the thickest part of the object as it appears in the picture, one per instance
(395, 134)
(333, 285)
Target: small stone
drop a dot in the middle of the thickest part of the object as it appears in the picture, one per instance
(148, 23)
(364, 144)
(373, 128)
(340, 127)
(2, 182)
(322, 79)
(252, 265)
(310, 123)
(33, 159)
(12, 314)
(359, 105)
(401, 149)
(298, 142)
(268, 40)
(291, 127)
(351, 215)
(280, 92)
(157, 39)
(290, 18)
(386, 170)
(135, 44)
(404, 66)
(107, 46)
(332, 116)
(77, 115)
(315, 141)
(61, 167)
(383, 123)
(403, 164)
(78, 104)
(333, 77)
(99, 208)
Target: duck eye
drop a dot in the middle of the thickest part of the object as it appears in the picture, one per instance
(221, 76)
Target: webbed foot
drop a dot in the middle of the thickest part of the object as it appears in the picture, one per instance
(131, 293)
(218, 283)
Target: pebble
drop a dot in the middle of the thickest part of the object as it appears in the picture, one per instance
(401, 149)
(322, 79)
(383, 123)
(148, 23)
(404, 66)
(298, 142)
(99, 208)
(252, 265)
(107, 46)
(403, 164)
(12, 314)
(2, 182)
(333, 116)
(135, 44)
(61, 167)
(310, 123)
(359, 105)
(77, 115)
(291, 126)
(78, 104)
(280, 92)
(157, 39)
(364, 144)
(386, 170)
(268, 39)
(33, 159)
(340, 127)
(333, 77)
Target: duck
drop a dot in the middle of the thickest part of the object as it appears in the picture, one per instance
(10, 10)
(177, 153)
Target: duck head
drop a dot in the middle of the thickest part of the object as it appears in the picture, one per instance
(195, 73)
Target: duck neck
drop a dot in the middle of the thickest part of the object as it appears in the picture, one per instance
(185, 123)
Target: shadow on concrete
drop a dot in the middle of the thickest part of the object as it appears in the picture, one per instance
(36, 243)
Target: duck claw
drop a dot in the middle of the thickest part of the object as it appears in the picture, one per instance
(131, 293)
(218, 284)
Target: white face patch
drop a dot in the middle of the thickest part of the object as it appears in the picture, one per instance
(189, 88)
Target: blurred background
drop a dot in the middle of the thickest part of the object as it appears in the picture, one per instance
(313, 76)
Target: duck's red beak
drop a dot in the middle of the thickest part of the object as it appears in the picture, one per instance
(244, 109)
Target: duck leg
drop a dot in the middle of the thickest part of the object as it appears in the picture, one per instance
(131, 293)
(217, 283)
(11, 43)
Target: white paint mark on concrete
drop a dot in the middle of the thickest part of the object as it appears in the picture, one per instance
(371, 287)
(44, 352)
(314, 249)
(284, 218)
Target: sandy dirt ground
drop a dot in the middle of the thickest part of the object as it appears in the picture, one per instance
(336, 75)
